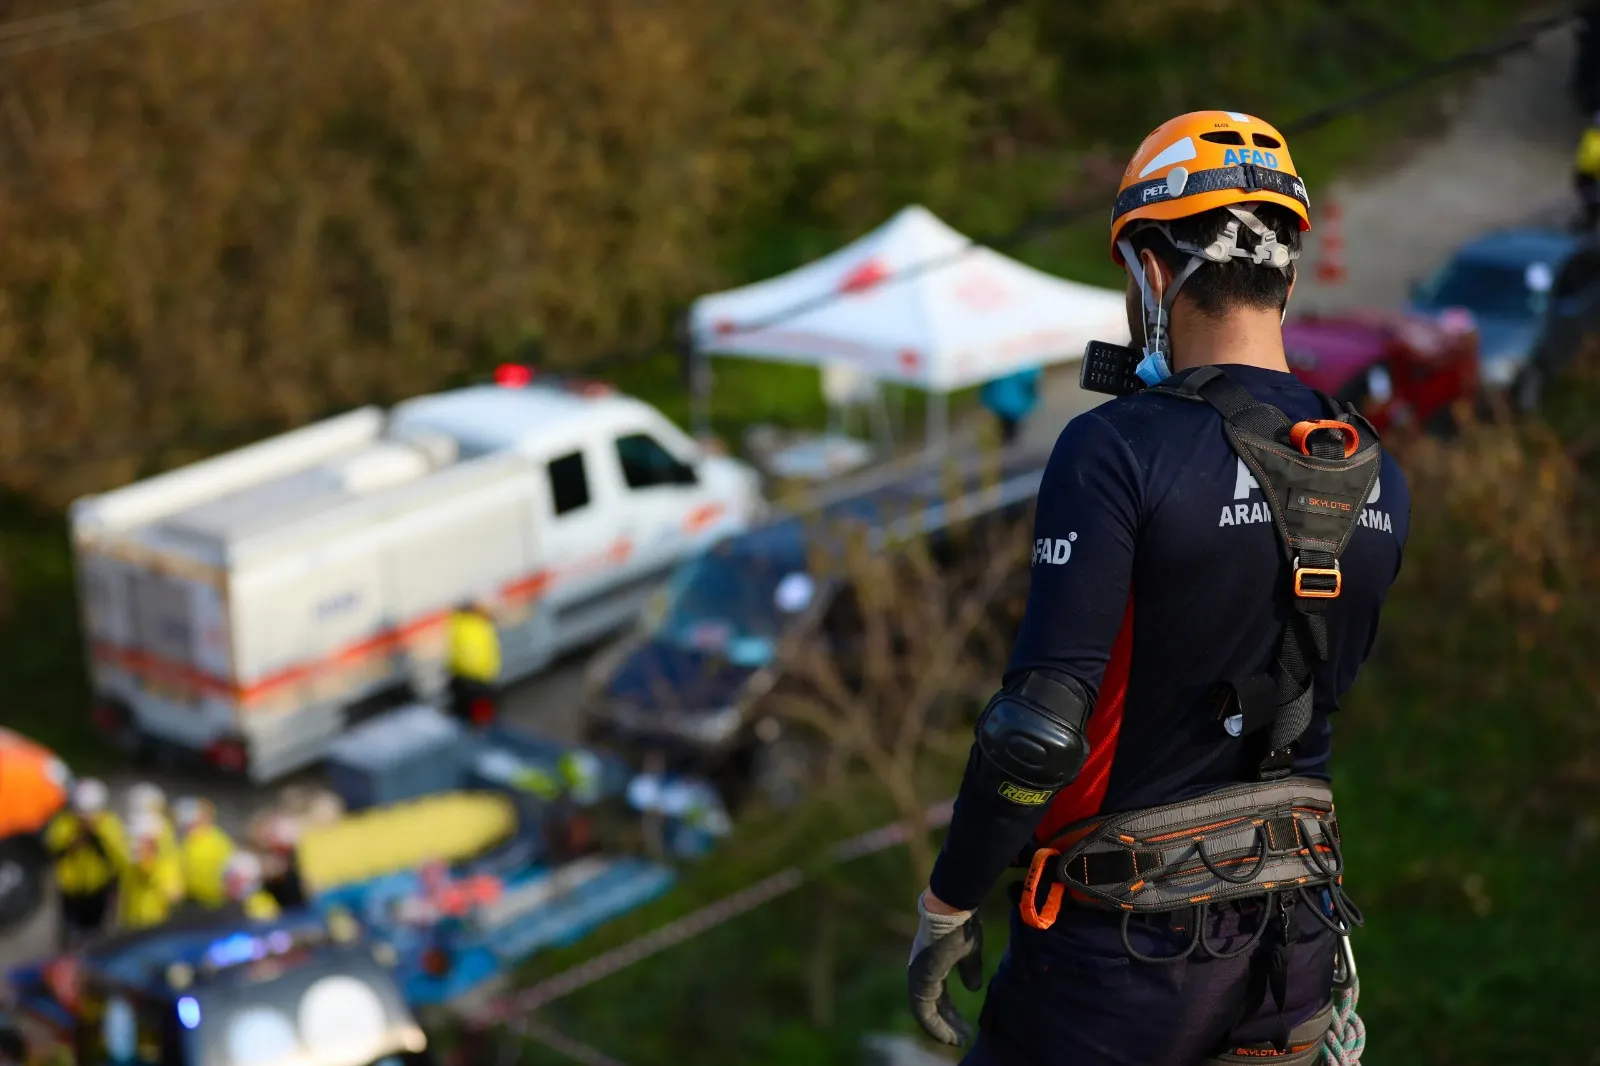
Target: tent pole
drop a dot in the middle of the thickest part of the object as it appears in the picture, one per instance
(938, 427)
(696, 365)
(700, 393)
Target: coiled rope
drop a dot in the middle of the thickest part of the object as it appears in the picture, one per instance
(1347, 1036)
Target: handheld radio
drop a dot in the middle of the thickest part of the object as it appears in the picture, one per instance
(1109, 369)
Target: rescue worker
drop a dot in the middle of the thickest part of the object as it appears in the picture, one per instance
(1586, 175)
(89, 848)
(203, 849)
(1174, 649)
(146, 800)
(1011, 399)
(242, 884)
(474, 663)
(152, 883)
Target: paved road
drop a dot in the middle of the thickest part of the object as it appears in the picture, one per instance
(1504, 157)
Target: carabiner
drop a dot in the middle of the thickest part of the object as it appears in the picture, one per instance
(1344, 970)
(1028, 904)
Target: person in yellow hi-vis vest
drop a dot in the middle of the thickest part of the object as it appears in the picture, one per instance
(1586, 174)
(242, 881)
(152, 882)
(474, 663)
(90, 850)
(147, 799)
(204, 850)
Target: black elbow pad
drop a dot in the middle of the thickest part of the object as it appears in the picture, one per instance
(1031, 740)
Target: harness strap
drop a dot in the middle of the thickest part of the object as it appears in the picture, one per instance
(1314, 563)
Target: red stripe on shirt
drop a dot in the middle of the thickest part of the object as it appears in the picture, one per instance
(1082, 798)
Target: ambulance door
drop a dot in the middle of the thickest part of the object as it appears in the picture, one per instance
(586, 550)
(663, 494)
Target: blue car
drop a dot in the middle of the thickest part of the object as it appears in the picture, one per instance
(1532, 293)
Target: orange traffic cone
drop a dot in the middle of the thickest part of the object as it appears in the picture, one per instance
(1330, 261)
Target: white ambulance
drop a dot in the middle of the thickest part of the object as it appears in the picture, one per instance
(240, 606)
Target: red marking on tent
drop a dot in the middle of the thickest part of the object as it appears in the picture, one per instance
(983, 292)
(909, 359)
(864, 277)
(724, 327)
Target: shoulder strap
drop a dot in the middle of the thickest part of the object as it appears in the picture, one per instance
(1316, 477)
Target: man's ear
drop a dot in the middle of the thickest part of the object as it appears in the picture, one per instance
(1156, 275)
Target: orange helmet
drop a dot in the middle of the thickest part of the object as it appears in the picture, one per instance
(1204, 160)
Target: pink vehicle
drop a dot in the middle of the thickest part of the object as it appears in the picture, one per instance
(1398, 369)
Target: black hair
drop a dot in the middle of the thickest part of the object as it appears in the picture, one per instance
(1215, 289)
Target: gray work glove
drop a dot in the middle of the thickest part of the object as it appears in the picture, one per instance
(944, 942)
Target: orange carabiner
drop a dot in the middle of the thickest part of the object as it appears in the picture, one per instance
(1030, 889)
(1301, 431)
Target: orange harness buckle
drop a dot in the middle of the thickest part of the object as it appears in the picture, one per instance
(1028, 905)
(1302, 572)
(1300, 434)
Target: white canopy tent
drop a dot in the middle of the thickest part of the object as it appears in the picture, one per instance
(912, 302)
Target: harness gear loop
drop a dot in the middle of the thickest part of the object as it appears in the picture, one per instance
(1249, 876)
(1240, 952)
(1197, 913)
(1028, 904)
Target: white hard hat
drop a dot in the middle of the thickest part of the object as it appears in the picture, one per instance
(144, 826)
(146, 797)
(188, 810)
(90, 796)
(244, 869)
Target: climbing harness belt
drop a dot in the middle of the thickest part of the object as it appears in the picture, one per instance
(1275, 838)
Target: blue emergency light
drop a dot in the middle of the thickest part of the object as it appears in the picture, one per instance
(235, 949)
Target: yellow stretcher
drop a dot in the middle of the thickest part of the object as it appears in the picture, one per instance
(449, 827)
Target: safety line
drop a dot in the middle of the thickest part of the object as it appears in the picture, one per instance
(70, 27)
(558, 1041)
(518, 1004)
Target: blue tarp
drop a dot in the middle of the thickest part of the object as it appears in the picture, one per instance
(501, 935)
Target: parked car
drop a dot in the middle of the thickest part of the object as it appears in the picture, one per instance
(1396, 369)
(686, 685)
(220, 991)
(1532, 293)
(240, 608)
(33, 787)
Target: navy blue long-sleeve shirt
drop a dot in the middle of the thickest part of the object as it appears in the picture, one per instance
(1156, 574)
